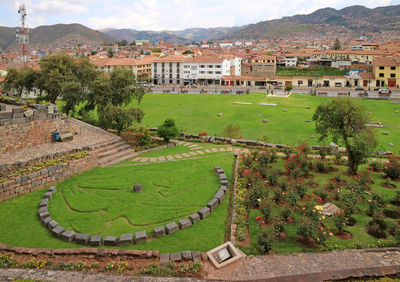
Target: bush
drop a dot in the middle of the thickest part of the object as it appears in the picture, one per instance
(392, 168)
(292, 197)
(306, 229)
(350, 201)
(168, 130)
(323, 151)
(339, 221)
(320, 166)
(232, 131)
(119, 118)
(301, 189)
(266, 210)
(323, 195)
(273, 177)
(286, 213)
(266, 239)
(137, 135)
(257, 194)
(377, 166)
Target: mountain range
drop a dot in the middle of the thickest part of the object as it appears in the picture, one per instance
(353, 20)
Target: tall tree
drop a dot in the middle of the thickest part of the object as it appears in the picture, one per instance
(110, 53)
(345, 120)
(337, 45)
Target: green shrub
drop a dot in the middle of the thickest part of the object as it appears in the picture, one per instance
(266, 210)
(137, 136)
(339, 221)
(286, 213)
(323, 151)
(392, 168)
(273, 177)
(257, 193)
(301, 189)
(168, 130)
(320, 166)
(266, 239)
(377, 165)
(292, 197)
(306, 229)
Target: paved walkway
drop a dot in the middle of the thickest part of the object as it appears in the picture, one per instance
(195, 151)
(311, 266)
(85, 136)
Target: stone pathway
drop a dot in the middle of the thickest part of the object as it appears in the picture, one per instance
(195, 151)
(311, 266)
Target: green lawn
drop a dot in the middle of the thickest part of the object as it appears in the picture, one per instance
(101, 201)
(197, 113)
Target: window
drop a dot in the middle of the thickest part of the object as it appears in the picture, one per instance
(210, 72)
(218, 66)
(381, 75)
(163, 65)
(202, 72)
(393, 68)
(202, 66)
(217, 72)
(300, 82)
(392, 75)
(210, 66)
(381, 68)
(177, 65)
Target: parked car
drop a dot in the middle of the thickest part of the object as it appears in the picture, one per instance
(149, 85)
(383, 91)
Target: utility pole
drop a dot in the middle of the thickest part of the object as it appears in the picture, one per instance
(23, 35)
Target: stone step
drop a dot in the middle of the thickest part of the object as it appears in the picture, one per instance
(117, 158)
(105, 144)
(113, 150)
(109, 146)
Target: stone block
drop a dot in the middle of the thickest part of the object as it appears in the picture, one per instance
(184, 223)
(216, 168)
(20, 120)
(18, 115)
(66, 137)
(164, 258)
(96, 240)
(82, 239)
(186, 255)
(194, 218)
(46, 220)
(28, 113)
(43, 209)
(171, 227)
(196, 256)
(222, 176)
(52, 224)
(43, 215)
(6, 115)
(140, 237)
(52, 189)
(110, 241)
(3, 108)
(44, 203)
(220, 196)
(68, 235)
(159, 231)
(204, 212)
(213, 204)
(57, 231)
(219, 171)
(137, 188)
(126, 239)
(224, 182)
(17, 110)
(223, 188)
(175, 257)
(48, 195)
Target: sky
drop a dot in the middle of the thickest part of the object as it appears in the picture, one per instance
(165, 14)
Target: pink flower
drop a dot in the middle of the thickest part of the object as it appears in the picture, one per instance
(330, 234)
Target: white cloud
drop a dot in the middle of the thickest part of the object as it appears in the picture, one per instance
(172, 14)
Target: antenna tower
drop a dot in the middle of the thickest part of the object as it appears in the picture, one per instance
(23, 35)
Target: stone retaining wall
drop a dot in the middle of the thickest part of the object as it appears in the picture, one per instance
(34, 181)
(14, 137)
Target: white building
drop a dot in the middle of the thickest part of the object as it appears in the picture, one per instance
(167, 70)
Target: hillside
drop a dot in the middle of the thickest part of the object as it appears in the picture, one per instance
(353, 19)
(154, 36)
(55, 36)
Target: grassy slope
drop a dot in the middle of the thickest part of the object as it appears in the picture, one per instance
(192, 185)
(196, 113)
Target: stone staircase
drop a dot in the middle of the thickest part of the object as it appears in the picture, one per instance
(113, 150)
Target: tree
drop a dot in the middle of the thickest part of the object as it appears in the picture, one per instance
(188, 52)
(337, 45)
(156, 50)
(119, 118)
(13, 82)
(288, 87)
(124, 88)
(345, 120)
(94, 52)
(110, 53)
(168, 130)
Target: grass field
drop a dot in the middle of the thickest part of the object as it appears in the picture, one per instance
(101, 201)
(197, 113)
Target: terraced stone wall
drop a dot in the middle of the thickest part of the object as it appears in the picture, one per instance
(15, 137)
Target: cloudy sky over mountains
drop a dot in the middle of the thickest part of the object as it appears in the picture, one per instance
(166, 14)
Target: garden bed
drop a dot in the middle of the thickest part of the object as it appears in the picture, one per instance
(293, 196)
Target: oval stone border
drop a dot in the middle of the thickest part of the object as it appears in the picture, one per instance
(128, 238)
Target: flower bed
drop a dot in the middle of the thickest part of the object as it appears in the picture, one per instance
(298, 203)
